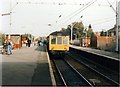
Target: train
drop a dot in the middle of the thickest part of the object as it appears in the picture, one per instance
(58, 43)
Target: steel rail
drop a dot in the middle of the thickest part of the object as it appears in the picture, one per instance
(63, 80)
(79, 73)
(94, 70)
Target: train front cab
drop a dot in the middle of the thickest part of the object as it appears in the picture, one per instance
(58, 44)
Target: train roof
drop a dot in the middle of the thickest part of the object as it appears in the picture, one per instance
(59, 33)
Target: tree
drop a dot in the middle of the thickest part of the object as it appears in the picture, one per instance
(90, 31)
(3, 38)
(63, 29)
(68, 30)
(102, 33)
(78, 28)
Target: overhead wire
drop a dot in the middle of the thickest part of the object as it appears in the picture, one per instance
(62, 4)
(98, 4)
(43, 2)
(75, 11)
(112, 6)
(85, 7)
(104, 21)
(14, 6)
(73, 14)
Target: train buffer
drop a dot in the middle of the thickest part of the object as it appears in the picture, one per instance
(26, 66)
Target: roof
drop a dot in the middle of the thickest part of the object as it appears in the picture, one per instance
(59, 33)
(114, 29)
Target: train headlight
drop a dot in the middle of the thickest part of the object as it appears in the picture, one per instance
(52, 48)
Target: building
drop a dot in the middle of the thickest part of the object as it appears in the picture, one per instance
(16, 40)
(25, 37)
(97, 33)
(112, 31)
(101, 42)
(85, 41)
(0, 39)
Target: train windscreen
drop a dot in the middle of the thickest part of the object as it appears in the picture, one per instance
(65, 40)
(59, 40)
(53, 40)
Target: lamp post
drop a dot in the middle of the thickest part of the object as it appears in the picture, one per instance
(10, 19)
(71, 33)
(85, 31)
(72, 30)
(106, 37)
(72, 25)
(116, 49)
(9, 13)
(5, 14)
(86, 37)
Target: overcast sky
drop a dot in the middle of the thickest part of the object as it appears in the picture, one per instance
(34, 16)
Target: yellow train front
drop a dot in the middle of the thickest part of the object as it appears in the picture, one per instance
(58, 43)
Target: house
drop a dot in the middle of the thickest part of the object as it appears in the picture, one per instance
(112, 31)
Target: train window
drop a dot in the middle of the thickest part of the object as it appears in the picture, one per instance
(53, 40)
(65, 40)
(59, 40)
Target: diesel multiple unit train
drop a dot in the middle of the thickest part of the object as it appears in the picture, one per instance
(58, 43)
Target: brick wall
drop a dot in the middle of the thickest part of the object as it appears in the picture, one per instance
(16, 40)
(101, 42)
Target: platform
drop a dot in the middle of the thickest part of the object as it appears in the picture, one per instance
(26, 66)
(107, 54)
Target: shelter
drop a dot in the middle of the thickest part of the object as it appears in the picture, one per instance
(16, 40)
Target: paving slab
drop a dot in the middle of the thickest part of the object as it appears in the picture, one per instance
(26, 66)
(112, 55)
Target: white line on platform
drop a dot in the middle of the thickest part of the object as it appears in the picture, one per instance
(51, 71)
(96, 53)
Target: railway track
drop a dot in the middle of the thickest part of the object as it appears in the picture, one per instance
(76, 70)
(69, 75)
(94, 76)
(59, 79)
